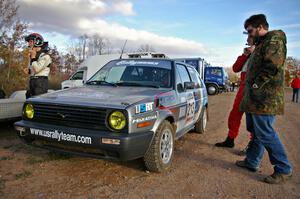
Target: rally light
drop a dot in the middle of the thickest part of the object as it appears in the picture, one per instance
(111, 141)
(29, 111)
(117, 120)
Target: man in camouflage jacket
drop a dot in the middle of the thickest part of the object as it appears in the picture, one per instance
(264, 98)
(264, 91)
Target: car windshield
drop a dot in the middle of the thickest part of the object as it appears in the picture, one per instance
(216, 72)
(146, 73)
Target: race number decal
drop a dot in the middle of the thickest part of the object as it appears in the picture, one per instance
(190, 112)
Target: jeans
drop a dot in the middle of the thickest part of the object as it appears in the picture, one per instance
(265, 137)
(295, 94)
(37, 86)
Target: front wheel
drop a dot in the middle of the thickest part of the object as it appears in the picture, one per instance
(212, 89)
(160, 154)
(200, 125)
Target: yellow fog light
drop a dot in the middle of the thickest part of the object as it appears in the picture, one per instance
(29, 111)
(117, 120)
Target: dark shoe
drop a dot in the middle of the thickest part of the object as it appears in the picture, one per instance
(229, 142)
(244, 151)
(277, 178)
(243, 164)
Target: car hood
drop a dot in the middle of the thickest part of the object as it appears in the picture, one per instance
(106, 96)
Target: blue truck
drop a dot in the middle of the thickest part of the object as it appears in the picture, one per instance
(215, 77)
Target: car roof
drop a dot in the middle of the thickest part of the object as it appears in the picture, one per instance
(146, 59)
(153, 59)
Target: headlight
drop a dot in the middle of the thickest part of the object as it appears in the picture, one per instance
(29, 111)
(117, 120)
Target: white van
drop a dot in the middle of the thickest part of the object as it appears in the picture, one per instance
(87, 69)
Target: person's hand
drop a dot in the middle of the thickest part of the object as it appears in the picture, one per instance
(246, 52)
(251, 49)
(32, 53)
(26, 71)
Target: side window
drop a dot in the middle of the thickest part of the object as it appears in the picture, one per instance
(216, 72)
(195, 77)
(179, 83)
(182, 75)
(77, 76)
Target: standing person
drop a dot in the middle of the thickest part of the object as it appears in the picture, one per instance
(235, 116)
(296, 88)
(40, 62)
(232, 86)
(264, 98)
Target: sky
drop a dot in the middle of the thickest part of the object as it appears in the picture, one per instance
(210, 29)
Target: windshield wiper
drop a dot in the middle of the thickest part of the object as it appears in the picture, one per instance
(99, 82)
(136, 84)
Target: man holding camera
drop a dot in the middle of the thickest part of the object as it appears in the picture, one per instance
(39, 68)
(264, 99)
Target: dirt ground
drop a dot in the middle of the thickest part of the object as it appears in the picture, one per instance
(199, 169)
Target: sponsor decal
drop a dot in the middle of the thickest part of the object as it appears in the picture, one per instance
(132, 63)
(190, 111)
(143, 108)
(166, 100)
(61, 136)
(144, 119)
(198, 103)
(182, 99)
(182, 111)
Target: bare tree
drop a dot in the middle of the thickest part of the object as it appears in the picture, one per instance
(146, 48)
(8, 13)
(108, 48)
(83, 40)
(99, 45)
(78, 47)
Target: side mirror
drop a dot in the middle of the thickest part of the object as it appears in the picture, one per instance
(180, 88)
(189, 85)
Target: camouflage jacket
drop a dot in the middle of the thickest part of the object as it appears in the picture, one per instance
(264, 89)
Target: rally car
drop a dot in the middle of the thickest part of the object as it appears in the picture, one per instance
(131, 108)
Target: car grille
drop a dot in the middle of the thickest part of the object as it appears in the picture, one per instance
(72, 116)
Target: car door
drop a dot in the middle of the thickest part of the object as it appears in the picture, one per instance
(197, 92)
(77, 79)
(186, 99)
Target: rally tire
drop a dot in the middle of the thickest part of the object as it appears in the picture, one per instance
(153, 158)
(200, 125)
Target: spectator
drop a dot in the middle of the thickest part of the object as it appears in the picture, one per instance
(296, 88)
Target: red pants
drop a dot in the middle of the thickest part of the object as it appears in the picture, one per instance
(235, 116)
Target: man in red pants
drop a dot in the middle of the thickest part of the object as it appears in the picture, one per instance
(235, 116)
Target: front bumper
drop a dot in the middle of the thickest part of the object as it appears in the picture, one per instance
(131, 146)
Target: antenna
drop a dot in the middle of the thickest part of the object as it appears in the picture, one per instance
(123, 49)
